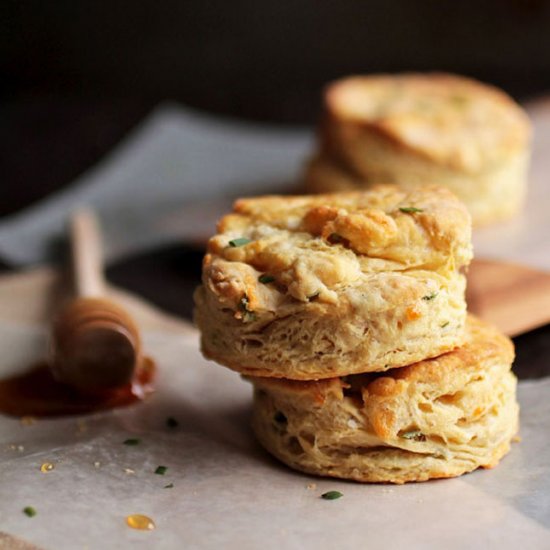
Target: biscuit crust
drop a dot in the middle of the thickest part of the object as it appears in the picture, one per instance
(438, 418)
(414, 129)
(315, 287)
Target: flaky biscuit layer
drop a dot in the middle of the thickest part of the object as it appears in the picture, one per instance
(437, 418)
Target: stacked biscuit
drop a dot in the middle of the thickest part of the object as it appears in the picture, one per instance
(414, 129)
(347, 314)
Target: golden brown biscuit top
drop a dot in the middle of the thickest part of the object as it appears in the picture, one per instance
(273, 247)
(440, 378)
(451, 119)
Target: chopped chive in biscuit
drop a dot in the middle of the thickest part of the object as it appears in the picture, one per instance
(459, 100)
(429, 297)
(415, 435)
(331, 495)
(247, 315)
(243, 303)
(335, 238)
(241, 241)
(280, 418)
(410, 209)
(266, 279)
(446, 323)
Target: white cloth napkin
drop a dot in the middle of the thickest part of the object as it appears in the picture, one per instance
(167, 180)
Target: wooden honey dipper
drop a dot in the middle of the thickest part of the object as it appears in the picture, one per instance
(96, 344)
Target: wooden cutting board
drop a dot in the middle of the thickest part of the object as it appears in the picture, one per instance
(513, 297)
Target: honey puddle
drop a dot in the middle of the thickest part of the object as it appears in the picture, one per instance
(38, 393)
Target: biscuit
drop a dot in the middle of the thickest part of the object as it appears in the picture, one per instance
(437, 418)
(414, 129)
(311, 287)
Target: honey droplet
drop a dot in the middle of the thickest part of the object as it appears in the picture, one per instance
(139, 521)
(47, 467)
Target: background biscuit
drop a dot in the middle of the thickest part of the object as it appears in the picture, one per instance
(414, 129)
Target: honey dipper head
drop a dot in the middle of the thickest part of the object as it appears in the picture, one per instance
(96, 345)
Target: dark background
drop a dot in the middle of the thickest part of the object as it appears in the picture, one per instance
(78, 75)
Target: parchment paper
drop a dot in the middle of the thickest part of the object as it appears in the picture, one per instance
(227, 492)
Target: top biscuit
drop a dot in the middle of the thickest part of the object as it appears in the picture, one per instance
(449, 119)
(316, 286)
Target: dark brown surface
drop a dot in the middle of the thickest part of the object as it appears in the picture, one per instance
(46, 141)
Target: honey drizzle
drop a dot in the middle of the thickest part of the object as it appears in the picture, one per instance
(140, 522)
(36, 393)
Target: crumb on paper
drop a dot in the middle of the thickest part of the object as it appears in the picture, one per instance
(311, 486)
(47, 467)
(28, 420)
(129, 471)
(97, 464)
(81, 426)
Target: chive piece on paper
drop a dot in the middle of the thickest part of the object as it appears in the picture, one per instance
(132, 441)
(332, 495)
(161, 470)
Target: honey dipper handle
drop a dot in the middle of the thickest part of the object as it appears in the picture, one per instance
(86, 253)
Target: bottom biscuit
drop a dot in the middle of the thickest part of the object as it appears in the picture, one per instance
(438, 418)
